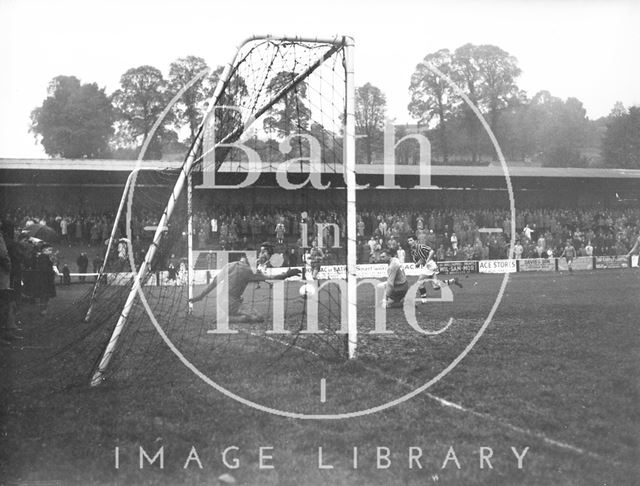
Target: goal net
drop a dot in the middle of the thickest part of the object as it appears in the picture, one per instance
(279, 123)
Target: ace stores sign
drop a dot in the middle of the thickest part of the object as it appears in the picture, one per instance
(497, 266)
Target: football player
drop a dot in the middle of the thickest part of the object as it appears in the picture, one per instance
(423, 258)
(236, 276)
(396, 285)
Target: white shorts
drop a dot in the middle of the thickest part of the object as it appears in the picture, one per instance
(430, 269)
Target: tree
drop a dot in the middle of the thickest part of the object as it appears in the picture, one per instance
(618, 110)
(234, 94)
(566, 135)
(371, 105)
(466, 73)
(189, 108)
(487, 74)
(290, 113)
(74, 121)
(621, 143)
(518, 129)
(551, 130)
(498, 88)
(142, 97)
(432, 96)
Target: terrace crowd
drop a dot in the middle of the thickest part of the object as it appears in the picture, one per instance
(455, 234)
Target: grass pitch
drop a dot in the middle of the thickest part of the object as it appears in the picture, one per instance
(556, 371)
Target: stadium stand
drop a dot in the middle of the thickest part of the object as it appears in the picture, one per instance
(471, 206)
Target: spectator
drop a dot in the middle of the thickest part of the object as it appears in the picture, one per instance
(97, 263)
(202, 238)
(316, 257)
(608, 230)
(7, 304)
(360, 228)
(44, 288)
(518, 250)
(83, 265)
(588, 250)
(66, 275)
(64, 231)
(401, 254)
(214, 227)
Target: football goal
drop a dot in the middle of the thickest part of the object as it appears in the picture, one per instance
(216, 282)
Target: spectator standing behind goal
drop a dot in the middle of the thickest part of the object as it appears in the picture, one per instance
(64, 230)
(382, 227)
(94, 234)
(97, 264)
(213, 224)
(316, 257)
(66, 274)
(10, 295)
(280, 230)
(79, 225)
(6, 307)
(44, 281)
(83, 265)
(372, 245)
(588, 249)
(518, 250)
(401, 255)
(360, 228)
(569, 253)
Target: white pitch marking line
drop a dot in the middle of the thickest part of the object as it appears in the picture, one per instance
(515, 428)
(447, 403)
(283, 343)
(323, 390)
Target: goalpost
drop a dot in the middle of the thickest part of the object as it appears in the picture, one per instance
(295, 87)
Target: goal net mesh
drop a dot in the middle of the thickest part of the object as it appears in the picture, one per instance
(283, 100)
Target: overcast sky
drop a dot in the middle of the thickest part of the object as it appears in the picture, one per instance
(585, 49)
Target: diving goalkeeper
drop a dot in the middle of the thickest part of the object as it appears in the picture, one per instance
(236, 276)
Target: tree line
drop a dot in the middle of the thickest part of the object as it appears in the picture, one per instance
(79, 120)
(82, 121)
(541, 129)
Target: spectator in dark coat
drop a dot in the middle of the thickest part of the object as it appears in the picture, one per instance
(7, 315)
(83, 264)
(45, 285)
(97, 264)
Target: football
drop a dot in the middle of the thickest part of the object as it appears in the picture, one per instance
(307, 290)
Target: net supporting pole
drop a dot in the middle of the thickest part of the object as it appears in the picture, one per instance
(98, 375)
(190, 269)
(350, 180)
(112, 237)
(142, 273)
